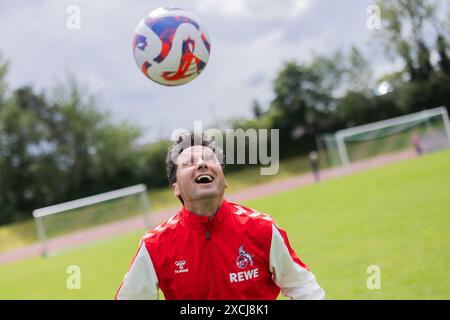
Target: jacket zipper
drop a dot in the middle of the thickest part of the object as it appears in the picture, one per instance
(207, 234)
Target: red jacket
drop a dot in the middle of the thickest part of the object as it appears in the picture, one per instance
(239, 254)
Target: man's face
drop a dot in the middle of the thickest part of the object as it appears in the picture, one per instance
(199, 175)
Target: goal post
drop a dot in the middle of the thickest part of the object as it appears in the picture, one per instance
(42, 213)
(389, 135)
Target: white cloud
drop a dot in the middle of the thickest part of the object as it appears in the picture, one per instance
(94, 82)
(250, 41)
(230, 7)
(253, 9)
(298, 7)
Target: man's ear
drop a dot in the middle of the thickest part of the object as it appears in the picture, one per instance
(175, 189)
(226, 183)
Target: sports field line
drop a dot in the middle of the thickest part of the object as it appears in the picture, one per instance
(136, 223)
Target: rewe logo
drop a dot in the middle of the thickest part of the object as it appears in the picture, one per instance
(180, 264)
(244, 275)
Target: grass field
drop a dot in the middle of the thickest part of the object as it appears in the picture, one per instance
(396, 217)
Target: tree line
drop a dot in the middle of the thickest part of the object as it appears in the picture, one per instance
(61, 147)
(339, 91)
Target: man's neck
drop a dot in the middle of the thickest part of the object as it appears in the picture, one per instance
(205, 207)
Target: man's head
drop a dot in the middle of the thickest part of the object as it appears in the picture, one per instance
(195, 168)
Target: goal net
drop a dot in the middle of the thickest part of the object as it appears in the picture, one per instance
(68, 218)
(424, 131)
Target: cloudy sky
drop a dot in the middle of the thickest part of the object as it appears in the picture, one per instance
(250, 41)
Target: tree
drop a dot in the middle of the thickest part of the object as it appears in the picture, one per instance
(257, 110)
(406, 24)
(357, 73)
(413, 30)
(304, 101)
(3, 72)
(99, 155)
(355, 108)
(58, 149)
(23, 133)
(442, 49)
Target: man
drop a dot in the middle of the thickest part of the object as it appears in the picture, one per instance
(415, 139)
(314, 163)
(213, 248)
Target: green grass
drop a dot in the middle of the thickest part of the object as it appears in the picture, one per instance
(102, 267)
(396, 217)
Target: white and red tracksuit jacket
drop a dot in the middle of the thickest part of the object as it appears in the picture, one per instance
(239, 254)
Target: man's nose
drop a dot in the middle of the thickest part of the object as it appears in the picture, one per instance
(201, 163)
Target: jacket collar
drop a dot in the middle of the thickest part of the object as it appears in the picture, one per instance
(196, 220)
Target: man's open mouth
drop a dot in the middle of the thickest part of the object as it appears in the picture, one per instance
(204, 178)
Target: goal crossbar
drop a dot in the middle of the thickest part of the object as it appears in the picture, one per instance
(425, 114)
(40, 213)
(83, 202)
(417, 116)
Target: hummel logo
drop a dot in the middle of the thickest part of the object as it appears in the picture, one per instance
(180, 264)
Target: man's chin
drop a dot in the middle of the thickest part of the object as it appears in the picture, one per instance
(208, 194)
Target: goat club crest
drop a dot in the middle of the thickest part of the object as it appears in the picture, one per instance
(244, 258)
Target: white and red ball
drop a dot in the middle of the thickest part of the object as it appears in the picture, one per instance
(171, 46)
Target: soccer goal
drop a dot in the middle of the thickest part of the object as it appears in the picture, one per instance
(94, 211)
(429, 128)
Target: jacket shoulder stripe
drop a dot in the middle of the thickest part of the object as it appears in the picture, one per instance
(240, 210)
(251, 213)
(161, 227)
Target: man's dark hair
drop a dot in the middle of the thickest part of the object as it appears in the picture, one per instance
(183, 142)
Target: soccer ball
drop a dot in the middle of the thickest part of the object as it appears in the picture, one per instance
(171, 46)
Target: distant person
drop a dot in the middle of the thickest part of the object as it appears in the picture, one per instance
(314, 163)
(415, 139)
(212, 248)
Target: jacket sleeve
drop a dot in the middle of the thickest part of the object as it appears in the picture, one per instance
(289, 273)
(140, 282)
